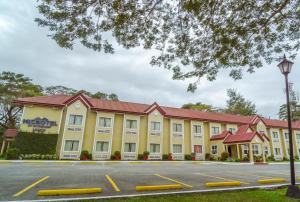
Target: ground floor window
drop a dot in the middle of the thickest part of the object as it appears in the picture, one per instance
(71, 145)
(277, 151)
(214, 149)
(245, 149)
(266, 150)
(177, 148)
(130, 147)
(102, 146)
(154, 148)
(198, 149)
(255, 149)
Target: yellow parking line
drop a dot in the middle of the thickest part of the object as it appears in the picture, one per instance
(113, 184)
(135, 163)
(217, 177)
(167, 178)
(30, 186)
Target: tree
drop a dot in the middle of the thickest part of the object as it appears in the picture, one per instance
(13, 86)
(199, 106)
(237, 104)
(54, 90)
(294, 104)
(206, 35)
(100, 95)
(113, 96)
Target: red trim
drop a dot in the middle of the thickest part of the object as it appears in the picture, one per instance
(22, 103)
(156, 106)
(117, 111)
(76, 97)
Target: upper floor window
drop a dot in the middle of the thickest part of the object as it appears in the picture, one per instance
(177, 127)
(275, 135)
(232, 130)
(105, 122)
(298, 136)
(286, 136)
(75, 120)
(131, 124)
(215, 130)
(155, 126)
(266, 148)
(196, 129)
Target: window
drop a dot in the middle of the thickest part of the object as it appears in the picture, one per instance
(277, 151)
(232, 130)
(154, 148)
(245, 149)
(177, 148)
(266, 150)
(255, 149)
(71, 145)
(275, 135)
(214, 149)
(198, 149)
(215, 130)
(155, 126)
(129, 147)
(75, 120)
(131, 124)
(177, 127)
(196, 129)
(298, 136)
(102, 146)
(105, 122)
(286, 136)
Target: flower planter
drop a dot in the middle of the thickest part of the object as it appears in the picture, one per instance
(145, 158)
(117, 158)
(193, 158)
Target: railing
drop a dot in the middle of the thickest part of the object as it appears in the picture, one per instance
(155, 133)
(177, 134)
(154, 156)
(131, 131)
(129, 156)
(103, 156)
(74, 128)
(178, 156)
(104, 131)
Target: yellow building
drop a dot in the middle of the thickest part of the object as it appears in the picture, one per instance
(104, 126)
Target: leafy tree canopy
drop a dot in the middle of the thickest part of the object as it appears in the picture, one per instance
(294, 105)
(54, 90)
(194, 38)
(13, 86)
(199, 106)
(237, 104)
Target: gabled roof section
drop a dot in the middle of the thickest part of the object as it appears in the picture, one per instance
(247, 137)
(243, 129)
(51, 101)
(221, 136)
(153, 107)
(78, 96)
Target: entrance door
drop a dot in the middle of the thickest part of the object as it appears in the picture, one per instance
(229, 150)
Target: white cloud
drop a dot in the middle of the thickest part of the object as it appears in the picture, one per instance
(25, 48)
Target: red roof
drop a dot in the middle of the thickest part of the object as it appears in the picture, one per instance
(247, 137)
(136, 108)
(243, 129)
(221, 136)
(10, 133)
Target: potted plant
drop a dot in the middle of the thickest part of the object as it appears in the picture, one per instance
(84, 155)
(146, 155)
(117, 155)
(170, 158)
(193, 156)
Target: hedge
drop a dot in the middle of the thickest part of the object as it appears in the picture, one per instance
(33, 143)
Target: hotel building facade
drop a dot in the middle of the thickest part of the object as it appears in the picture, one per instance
(104, 126)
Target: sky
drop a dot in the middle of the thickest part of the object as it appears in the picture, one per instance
(25, 48)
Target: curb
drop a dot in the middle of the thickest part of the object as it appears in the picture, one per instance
(222, 184)
(158, 187)
(273, 180)
(54, 192)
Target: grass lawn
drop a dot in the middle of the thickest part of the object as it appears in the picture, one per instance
(243, 196)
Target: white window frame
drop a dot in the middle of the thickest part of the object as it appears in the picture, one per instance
(197, 134)
(108, 147)
(177, 152)
(103, 117)
(275, 151)
(75, 115)
(131, 131)
(155, 132)
(78, 149)
(232, 130)
(130, 151)
(156, 145)
(255, 149)
(177, 133)
(214, 148)
(201, 149)
(245, 149)
(212, 130)
(275, 139)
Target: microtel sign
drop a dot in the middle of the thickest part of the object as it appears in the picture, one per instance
(39, 123)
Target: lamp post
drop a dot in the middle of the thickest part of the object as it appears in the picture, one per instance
(285, 67)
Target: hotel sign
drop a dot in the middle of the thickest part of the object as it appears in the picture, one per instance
(39, 124)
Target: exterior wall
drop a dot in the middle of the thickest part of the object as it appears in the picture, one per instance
(220, 148)
(73, 132)
(166, 136)
(297, 142)
(32, 112)
(198, 139)
(143, 134)
(228, 126)
(155, 137)
(213, 124)
(177, 138)
(118, 133)
(276, 143)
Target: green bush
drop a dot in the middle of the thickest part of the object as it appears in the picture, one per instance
(140, 157)
(271, 158)
(224, 156)
(245, 159)
(32, 143)
(165, 157)
(285, 159)
(207, 156)
(187, 157)
(13, 153)
(39, 157)
(237, 160)
(85, 155)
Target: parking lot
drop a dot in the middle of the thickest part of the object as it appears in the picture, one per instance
(21, 180)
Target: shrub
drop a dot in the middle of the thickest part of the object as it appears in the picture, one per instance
(237, 160)
(140, 157)
(117, 155)
(211, 158)
(165, 157)
(13, 153)
(33, 143)
(112, 157)
(258, 158)
(207, 156)
(188, 157)
(224, 156)
(145, 155)
(85, 155)
(229, 159)
(296, 157)
(170, 157)
(271, 158)
(245, 159)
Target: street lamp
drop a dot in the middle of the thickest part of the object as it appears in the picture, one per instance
(285, 67)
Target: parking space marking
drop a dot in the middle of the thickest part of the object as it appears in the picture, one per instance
(221, 178)
(248, 175)
(154, 163)
(167, 178)
(113, 184)
(135, 163)
(30, 186)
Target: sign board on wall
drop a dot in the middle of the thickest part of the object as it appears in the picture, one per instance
(38, 124)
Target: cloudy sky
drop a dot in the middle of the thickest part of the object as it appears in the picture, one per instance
(25, 48)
